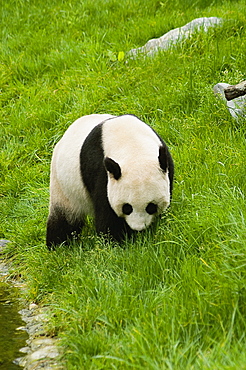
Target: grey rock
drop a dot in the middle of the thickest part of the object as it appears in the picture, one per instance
(23, 328)
(4, 271)
(3, 242)
(172, 37)
(24, 350)
(237, 106)
(20, 361)
(42, 352)
(41, 342)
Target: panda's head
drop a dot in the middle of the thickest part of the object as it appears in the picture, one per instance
(138, 193)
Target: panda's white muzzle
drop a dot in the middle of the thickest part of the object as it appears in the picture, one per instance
(138, 222)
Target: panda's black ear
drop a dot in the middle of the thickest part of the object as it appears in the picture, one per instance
(112, 167)
(163, 158)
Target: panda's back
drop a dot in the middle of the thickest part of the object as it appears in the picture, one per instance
(66, 182)
(80, 129)
(127, 137)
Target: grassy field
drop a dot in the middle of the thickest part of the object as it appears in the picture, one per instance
(176, 298)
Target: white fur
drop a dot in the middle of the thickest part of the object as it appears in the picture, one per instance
(135, 147)
(66, 188)
(129, 142)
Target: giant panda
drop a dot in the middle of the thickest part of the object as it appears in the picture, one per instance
(115, 168)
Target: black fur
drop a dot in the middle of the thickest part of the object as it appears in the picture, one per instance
(93, 167)
(94, 176)
(112, 167)
(59, 229)
(166, 163)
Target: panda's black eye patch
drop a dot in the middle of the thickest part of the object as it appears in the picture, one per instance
(127, 209)
(151, 208)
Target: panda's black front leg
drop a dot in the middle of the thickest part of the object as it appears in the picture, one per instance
(108, 223)
(59, 229)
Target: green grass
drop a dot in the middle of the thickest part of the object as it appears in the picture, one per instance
(174, 299)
